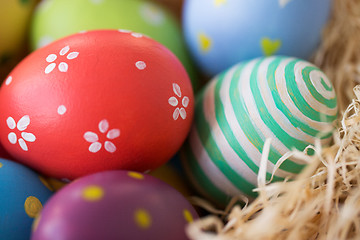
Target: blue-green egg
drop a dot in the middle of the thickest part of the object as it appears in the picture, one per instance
(22, 196)
(287, 100)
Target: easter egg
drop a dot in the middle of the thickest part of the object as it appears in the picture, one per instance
(169, 174)
(230, 31)
(95, 101)
(14, 19)
(115, 205)
(54, 19)
(22, 196)
(287, 100)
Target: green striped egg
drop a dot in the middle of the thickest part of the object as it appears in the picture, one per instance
(286, 99)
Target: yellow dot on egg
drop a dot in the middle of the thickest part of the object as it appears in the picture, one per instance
(142, 218)
(187, 215)
(1, 165)
(36, 223)
(136, 175)
(32, 206)
(219, 2)
(43, 180)
(93, 193)
(204, 42)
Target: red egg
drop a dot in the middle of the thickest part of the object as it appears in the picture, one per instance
(96, 101)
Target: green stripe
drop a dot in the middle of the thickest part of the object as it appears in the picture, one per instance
(226, 129)
(268, 119)
(197, 173)
(299, 100)
(330, 103)
(214, 153)
(281, 105)
(251, 132)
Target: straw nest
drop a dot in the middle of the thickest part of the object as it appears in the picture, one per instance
(323, 202)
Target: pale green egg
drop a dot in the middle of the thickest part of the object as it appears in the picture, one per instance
(54, 19)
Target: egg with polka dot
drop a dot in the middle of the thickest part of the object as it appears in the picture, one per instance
(54, 19)
(221, 33)
(96, 101)
(22, 195)
(115, 205)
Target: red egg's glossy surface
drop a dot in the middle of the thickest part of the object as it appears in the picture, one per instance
(96, 101)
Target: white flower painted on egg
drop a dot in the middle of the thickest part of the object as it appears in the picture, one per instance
(63, 66)
(93, 138)
(21, 125)
(180, 107)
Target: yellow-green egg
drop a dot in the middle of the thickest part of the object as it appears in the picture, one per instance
(14, 20)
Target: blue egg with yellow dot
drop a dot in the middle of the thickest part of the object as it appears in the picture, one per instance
(221, 33)
(22, 195)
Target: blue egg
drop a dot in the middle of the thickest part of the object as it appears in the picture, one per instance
(221, 33)
(22, 195)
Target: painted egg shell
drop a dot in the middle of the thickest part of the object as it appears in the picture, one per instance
(287, 100)
(96, 101)
(22, 195)
(230, 31)
(54, 19)
(169, 174)
(14, 19)
(115, 205)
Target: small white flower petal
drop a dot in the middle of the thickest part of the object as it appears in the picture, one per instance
(11, 122)
(173, 101)
(28, 137)
(50, 67)
(113, 133)
(23, 145)
(124, 31)
(176, 89)
(137, 35)
(23, 123)
(103, 126)
(95, 147)
(140, 65)
(63, 67)
(110, 147)
(51, 58)
(72, 55)
(183, 113)
(61, 110)
(176, 114)
(8, 80)
(91, 137)
(12, 138)
(64, 50)
(185, 101)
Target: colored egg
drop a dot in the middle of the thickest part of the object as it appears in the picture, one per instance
(287, 100)
(22, 196)
(96, 101)
(221, 33)
(54, 19)
(14, 18)
(169, 174)
(115, 205)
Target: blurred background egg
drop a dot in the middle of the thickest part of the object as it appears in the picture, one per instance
(22, 195)
(115, 205)
(54, 19)
(95, 101)
(287, 100)
(14, 25)
(221, 33)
